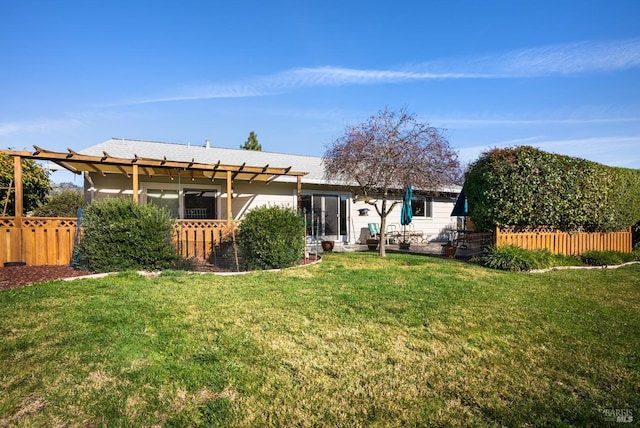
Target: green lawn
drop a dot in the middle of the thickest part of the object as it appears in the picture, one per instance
(353, 341)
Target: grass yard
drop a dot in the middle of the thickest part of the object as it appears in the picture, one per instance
(353, 341)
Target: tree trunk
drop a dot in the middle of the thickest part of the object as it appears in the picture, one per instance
(383, 227)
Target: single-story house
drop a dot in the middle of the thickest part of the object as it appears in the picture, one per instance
(333, 210)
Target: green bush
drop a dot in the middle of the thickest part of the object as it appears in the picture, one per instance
(562, 260)
(271, 238)
(525, 186)
(63, 204)
(516, 259)
(119, 234)
(608, 258)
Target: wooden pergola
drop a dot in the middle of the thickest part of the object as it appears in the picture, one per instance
(138, 166)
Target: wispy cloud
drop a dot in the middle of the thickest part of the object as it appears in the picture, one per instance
(298, 78)
(204, 92)
(561, 59)
(459, 123)
(573, 58)
(38, 126)
(336, 76)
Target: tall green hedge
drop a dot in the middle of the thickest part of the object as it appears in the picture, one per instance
(525, 186)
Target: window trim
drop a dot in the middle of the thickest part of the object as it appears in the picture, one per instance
(147, 186)
(427, 206)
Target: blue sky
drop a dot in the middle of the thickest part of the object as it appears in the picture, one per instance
(563, 76)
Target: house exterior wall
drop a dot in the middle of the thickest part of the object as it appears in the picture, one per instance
(433, 228)
(246, 195)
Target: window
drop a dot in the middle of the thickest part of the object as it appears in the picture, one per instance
(189, 203)
(422, 207)
(165, 198)
(199, 204)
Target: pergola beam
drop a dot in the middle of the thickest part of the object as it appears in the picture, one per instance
(256, 175)
(238, 171)
(77, 162)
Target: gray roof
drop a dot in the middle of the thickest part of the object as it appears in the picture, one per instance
(123, 148)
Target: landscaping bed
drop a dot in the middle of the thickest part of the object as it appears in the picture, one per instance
(14, 276)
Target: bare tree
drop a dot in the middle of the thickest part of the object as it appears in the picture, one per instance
(386, 152)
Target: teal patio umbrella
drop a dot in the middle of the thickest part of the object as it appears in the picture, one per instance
(406, 215)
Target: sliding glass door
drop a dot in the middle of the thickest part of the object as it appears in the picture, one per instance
(326, 216)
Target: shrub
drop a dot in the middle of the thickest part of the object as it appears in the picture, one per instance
(63, 204)
(516, 259)
(608, 258)
(271, 238)
(119, 234)
(524, 186)
(562, 260)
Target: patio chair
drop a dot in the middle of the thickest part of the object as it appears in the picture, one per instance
(393, 233)
(418, 235)
(374, 230)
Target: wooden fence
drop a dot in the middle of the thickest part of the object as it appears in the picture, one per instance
(196, 238)
(39, 241)
(567, 243)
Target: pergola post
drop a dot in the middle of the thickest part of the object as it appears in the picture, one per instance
(17, 178)
(229, 201)
(299, 190)
(19, 204)
(136, 194)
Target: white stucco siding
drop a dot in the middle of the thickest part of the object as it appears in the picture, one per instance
(433, 228)
(251, 195)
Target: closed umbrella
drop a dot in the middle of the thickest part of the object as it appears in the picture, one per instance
(406, 215)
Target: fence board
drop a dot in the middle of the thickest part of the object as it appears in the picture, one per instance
(47, 241)
(567, 243)
(197, 238)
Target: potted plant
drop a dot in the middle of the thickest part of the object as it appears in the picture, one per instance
(449, 250)
(327, 245)
(372, 243)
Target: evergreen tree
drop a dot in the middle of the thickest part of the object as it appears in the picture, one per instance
(252, 143)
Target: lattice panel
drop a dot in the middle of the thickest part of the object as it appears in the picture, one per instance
(43, 222)
(528, 229)
(7, 222)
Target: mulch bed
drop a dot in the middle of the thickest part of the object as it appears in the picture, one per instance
(15, 276)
